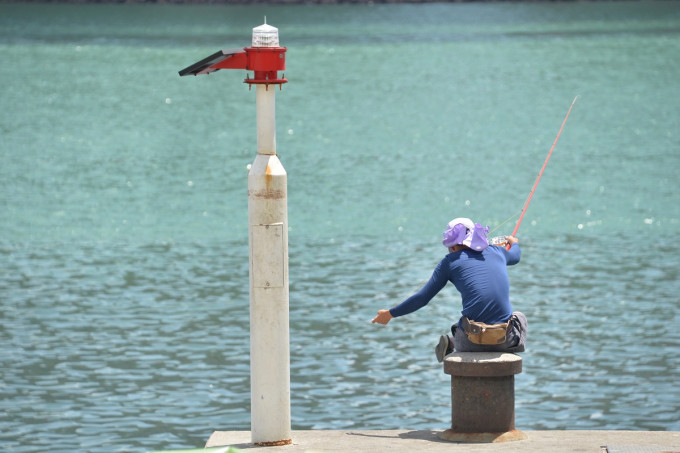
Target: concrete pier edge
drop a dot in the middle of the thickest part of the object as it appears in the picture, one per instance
(395, 441)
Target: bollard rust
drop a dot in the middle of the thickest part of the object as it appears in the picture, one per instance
(482, 397)
(482, 404)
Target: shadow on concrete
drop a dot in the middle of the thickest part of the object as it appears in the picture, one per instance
(425, 435)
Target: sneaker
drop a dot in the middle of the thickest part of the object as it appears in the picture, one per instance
(442, 349)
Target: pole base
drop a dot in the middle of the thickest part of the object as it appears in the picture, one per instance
(481, 438)
(277, 443)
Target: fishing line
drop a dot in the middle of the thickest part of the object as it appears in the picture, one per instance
(531, 194)
(505, 221)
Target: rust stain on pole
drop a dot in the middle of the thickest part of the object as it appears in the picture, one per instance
(267, 194)
(268, 176)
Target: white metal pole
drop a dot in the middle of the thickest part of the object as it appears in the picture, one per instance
(268, 250)
(265, 100)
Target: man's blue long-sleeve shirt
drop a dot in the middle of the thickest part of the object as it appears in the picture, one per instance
(480, 277)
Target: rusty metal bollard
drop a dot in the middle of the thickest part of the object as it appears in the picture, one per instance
(482, 397)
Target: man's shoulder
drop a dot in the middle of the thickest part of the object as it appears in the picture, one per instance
(494, 250)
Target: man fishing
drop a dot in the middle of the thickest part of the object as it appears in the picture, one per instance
(479, 272)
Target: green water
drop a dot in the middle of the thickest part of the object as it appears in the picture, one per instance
(123, 236)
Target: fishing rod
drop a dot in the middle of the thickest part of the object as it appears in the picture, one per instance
(501, 239)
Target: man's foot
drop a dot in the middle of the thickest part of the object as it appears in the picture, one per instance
(443, 348)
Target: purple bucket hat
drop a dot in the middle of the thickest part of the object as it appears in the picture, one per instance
(464, 231)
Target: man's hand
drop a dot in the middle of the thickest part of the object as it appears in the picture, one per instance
(511, 240)
(383, 317)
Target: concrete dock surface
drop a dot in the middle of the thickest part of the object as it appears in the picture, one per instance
(395, 441)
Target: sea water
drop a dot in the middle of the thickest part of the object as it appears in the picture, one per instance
(123, 236)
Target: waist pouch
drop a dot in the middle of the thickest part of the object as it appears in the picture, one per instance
(488, 334)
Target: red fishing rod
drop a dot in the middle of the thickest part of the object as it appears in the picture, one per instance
(531, 194)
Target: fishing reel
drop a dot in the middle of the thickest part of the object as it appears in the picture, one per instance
(498, 240)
